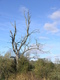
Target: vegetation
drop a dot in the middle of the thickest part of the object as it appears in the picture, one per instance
(21, 67)
(42, 69)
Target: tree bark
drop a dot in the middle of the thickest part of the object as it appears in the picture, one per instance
(17, 57)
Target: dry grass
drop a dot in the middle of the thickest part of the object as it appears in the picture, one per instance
(27, 76)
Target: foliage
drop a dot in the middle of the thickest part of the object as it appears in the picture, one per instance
(33, 70)
(6, 67)
(43, 69)
(24, 65)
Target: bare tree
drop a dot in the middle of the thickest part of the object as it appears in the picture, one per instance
(23, 41)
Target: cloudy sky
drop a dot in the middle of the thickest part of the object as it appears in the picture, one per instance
(45, 16)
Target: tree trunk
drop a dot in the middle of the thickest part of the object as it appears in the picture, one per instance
(17, 57)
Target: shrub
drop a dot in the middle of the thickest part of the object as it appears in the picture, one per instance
(24, 65)
(6, 68)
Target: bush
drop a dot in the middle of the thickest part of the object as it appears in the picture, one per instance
(24, 65)
(6, 68)
(43, 69)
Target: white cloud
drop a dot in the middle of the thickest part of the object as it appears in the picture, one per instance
(55, 15)
(51, 27)
(23, 8)
(43, 37)
(53, 8)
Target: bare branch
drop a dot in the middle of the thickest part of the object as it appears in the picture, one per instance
(29, 49)
(15, 31)
(37, 46)
(11, 33)
(25, 19)
(34, 31)
(14, 45)
(27, 35)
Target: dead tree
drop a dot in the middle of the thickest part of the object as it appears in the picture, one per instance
(23, 42)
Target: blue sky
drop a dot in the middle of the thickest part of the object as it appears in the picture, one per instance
(45, 16)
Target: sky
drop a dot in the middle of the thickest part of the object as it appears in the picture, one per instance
(45, 16)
